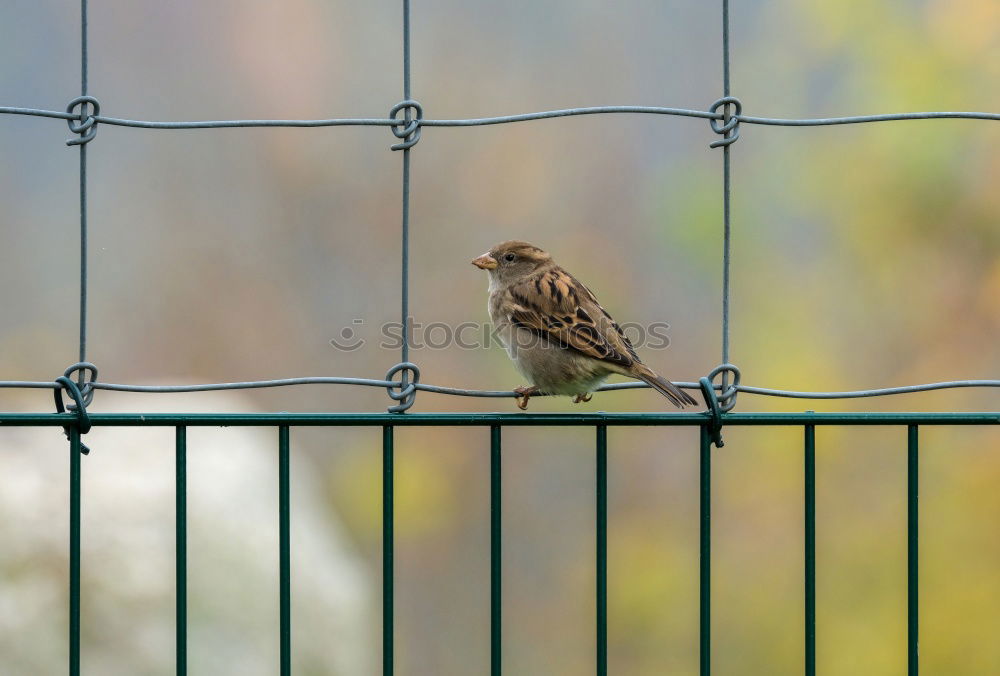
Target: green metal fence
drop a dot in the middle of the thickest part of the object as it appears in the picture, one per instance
(906, 422)
(405, 121)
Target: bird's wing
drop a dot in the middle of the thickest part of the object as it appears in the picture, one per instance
(555, 305)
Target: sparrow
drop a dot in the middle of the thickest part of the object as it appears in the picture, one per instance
(555, 331)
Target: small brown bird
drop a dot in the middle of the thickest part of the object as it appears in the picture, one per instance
(558, 335)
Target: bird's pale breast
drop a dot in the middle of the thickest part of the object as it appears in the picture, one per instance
(553, 368)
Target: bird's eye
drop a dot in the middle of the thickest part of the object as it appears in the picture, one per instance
(509, 257)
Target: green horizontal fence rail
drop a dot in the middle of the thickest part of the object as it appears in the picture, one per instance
(494, 422)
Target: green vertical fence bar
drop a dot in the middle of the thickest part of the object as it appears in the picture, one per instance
(602, 550)
(74, 551)
(387, 553)
(912, 579)
(705, 567)
(810, 548)
(495, 559)
(180, 553)
(284, 554)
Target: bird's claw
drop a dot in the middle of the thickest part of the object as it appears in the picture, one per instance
(523, 394)
(586, 396)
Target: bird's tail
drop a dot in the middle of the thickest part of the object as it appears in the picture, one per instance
(677, 396)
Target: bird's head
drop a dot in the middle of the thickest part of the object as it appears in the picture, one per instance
(513, 260)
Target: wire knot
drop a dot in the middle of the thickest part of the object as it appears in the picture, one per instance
(408, 128)
(86, 125)
(730, 127)
(727, 391)
(80, 400)
(86, 380)
(407, 393)
(719, 403)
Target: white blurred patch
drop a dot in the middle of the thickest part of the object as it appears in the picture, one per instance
(128, 545)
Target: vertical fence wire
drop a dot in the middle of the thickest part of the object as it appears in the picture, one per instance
(705, 550)
(405, 244)
(387, 550)
(74, 551)
(180, 550)
(912, 551)
(496, 565)
(726, 193)
(284, 553)
(705, 535)
(809, 519)
(602, 550)
(75, 446)
(84, 109)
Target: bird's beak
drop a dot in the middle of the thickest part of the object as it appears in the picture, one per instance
(486, 262)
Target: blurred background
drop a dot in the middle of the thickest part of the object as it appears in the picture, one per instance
(863, 256)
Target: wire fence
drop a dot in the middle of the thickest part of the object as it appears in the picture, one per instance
(719, 387)
(405, 121)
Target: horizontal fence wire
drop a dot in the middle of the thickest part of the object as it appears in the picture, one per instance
(458, 391)
(503, 119)
(486, 419)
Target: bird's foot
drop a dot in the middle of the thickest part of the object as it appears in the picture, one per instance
(586, 396)
(523, 394)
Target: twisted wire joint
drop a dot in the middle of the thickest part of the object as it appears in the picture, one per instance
(719, 403)
(79, 405)
(407, 129)
(405, 389)
(85, 124)
(730, 127)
